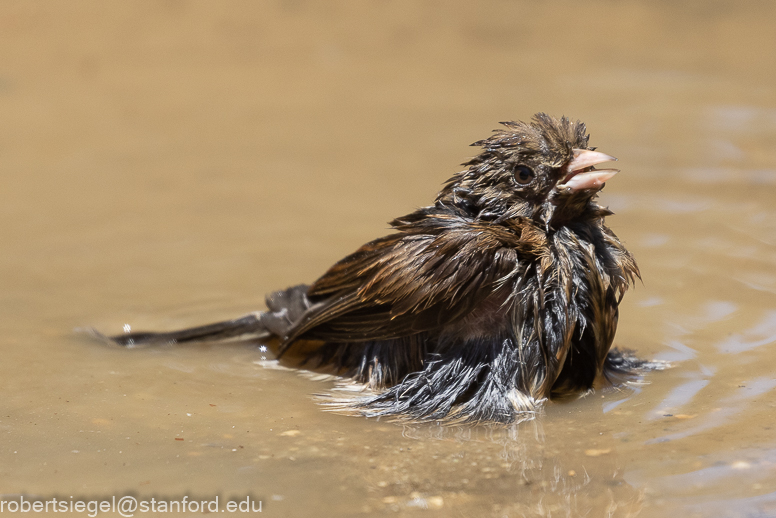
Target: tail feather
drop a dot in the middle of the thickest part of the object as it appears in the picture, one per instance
(248, 325)
(285, 307)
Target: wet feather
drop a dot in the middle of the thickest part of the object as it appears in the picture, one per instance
(499, 296)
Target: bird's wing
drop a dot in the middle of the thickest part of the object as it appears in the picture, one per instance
(408, 283)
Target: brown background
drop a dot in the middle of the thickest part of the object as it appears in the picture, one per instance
(167, 163)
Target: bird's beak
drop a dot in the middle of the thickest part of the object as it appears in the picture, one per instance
(579, 173)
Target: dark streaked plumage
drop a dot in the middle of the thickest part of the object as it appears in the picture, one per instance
(501, 294)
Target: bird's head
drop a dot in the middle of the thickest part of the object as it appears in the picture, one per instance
(541, 170)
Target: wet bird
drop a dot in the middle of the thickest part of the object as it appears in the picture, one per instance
(480, 307)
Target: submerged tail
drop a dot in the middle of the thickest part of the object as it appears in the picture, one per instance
(249, 324)
(284, 308)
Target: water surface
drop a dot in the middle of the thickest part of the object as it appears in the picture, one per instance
(167, 164)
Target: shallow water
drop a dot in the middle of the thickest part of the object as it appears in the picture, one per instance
(167, 164)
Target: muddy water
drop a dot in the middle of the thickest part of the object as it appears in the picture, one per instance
(166, 164)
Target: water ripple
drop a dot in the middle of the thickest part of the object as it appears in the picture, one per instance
(762, 333)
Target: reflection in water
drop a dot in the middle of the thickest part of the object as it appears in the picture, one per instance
(728, 408)
(655, 240)
(761, 506)
(715, 310)
(710, 312)
(680, 352)
(651, 301)
(751, 468)
(741, 119)
(762, 333)
(679, 396)
(754, 465)
(539, 472)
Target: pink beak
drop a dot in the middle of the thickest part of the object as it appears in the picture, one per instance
(580, 174)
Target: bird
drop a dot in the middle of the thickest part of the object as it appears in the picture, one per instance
(501, 295)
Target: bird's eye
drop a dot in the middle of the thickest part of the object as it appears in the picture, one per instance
(524, 174)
